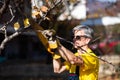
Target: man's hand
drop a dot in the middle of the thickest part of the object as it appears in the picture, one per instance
(77, 60)
(51, 36)
(52, 41)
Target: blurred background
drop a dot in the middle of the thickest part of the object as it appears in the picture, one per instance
(25, 58)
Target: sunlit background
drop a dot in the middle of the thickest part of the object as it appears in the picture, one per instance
(25, 58)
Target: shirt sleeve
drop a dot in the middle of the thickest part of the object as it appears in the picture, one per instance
(90, 61)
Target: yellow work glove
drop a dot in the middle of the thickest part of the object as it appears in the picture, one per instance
(56, 56)
(53, 43)
(51, 37)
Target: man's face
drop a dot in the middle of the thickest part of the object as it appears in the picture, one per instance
(80, 39)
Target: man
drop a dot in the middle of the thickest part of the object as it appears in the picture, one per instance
(84, 64)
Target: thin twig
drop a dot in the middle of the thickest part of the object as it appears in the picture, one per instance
(44, 15)
(3, 7)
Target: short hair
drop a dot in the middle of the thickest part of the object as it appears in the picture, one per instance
(88, 31)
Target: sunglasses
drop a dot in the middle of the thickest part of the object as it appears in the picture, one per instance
(79, 37)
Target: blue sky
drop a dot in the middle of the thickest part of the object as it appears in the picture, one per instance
(107, 0)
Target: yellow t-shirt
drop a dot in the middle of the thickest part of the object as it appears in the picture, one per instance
(88, 71)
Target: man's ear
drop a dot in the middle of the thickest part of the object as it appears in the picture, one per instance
(88, 40)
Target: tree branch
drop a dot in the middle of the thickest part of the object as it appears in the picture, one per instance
(2, 9)
(8, 39)
(4, 29)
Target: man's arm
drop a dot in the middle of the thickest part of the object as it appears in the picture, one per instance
(58, 67)
(54, 44)
(69, 56)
